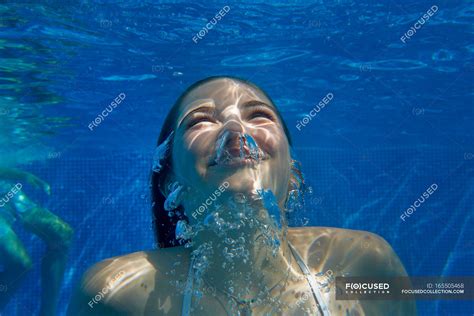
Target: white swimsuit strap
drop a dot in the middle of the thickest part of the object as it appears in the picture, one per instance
(323, 309)
(188, 291)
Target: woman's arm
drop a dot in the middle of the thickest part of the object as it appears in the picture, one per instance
(378, 259)
(356, 253)
(88, 298)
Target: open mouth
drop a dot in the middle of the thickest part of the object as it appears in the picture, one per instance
(237, 151)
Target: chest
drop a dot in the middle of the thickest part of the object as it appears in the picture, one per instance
(295, 298)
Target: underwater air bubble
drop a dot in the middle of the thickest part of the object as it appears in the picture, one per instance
(174, 198)
(209, 219)
(221, 154)
(252, 147)
(183, 230)
(270, 203)
(161, 152)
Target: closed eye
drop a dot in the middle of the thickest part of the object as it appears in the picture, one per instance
(260, 111)
(199, 118)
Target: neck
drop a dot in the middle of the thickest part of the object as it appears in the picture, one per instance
(247, 256)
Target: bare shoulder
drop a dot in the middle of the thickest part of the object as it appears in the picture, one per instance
(354, 252)
(125, 284)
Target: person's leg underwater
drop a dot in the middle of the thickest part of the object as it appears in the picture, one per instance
(57, 235)
(14, 262)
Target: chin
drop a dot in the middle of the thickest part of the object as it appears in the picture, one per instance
(242, 185)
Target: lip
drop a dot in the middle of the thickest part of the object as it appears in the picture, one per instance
(237, 161)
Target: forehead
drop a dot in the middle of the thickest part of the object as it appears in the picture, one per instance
(222, 92)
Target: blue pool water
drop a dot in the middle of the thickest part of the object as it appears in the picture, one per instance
(399, 121)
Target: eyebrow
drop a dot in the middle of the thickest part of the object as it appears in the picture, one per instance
(204, 108)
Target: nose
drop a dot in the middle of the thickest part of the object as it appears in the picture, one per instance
(233, 125)
(231, 133)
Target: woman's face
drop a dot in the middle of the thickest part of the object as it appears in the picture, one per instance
(228, 131)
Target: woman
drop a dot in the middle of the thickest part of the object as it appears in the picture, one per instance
(222, 181)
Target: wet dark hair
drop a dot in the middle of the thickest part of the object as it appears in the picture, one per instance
(163, 224)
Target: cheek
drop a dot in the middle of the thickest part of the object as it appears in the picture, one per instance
(200, 143)
(271, 139)
(193, 152)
